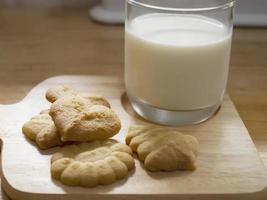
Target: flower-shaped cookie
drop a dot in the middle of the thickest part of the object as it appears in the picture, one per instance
(163, 149)
(42, 130)
(92, 164)
(77, 119)
(61, 91)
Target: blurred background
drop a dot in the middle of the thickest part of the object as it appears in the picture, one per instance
(248, 13)
(48, 3)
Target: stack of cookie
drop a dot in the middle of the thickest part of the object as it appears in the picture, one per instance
(83, 124)
(88, 122)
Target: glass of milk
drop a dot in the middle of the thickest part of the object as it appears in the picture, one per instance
(177, 56)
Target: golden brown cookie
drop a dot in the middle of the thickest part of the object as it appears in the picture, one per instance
(61, 91)
(77, 119)
(95, 99)
(163, 149)
(57, 92)
(92, 164)
(42, 130)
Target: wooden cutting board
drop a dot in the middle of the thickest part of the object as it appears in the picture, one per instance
(228, 163)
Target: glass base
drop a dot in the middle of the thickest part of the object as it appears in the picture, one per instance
(172, 118)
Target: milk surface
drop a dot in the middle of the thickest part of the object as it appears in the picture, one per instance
(177, 62)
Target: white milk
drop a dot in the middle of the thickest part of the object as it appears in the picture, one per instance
(177, 62)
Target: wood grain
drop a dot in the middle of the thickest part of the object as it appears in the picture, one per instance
(247, 84)
(228, 164)
(37, 44)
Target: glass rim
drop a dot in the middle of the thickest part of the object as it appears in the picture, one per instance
(229, 4)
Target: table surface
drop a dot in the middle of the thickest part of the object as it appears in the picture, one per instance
(40, 43)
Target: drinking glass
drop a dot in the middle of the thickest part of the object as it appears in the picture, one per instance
(177, 56)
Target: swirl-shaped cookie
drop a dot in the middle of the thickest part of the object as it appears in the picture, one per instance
(92, 164)
(163, 149)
